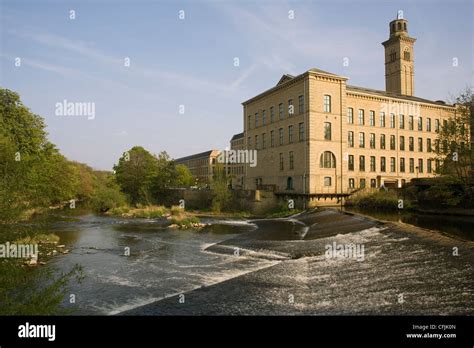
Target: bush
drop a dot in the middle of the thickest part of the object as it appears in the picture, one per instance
(379, 200)
(119, 211)
(33, 290)
(184, 221)
(107, 198)
(176, 210)
(445, 191)
(281, 211)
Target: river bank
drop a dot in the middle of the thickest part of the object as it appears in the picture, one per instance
(405, 270)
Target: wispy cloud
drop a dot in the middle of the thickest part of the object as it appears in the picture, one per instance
(271, 33)
(87, 49)
(63, 71)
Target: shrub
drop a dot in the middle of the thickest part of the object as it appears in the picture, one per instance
(379, 200)
(176, 210)
(107, 198)
(151, 212)
(33, 290)
(184, 221)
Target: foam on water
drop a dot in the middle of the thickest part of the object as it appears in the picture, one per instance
(117, 280)
(235, 223)
(207, 280)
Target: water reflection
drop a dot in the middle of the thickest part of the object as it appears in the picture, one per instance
(461, 227)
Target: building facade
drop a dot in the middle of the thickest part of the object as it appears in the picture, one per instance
(316, 134)
(201, 166)
(236, 170)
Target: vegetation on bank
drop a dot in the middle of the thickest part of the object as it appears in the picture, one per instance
(436, 194)
(175, 216)
(146, 212)
(29, 290)
(144, 178)
(376, 200)
(34, 176)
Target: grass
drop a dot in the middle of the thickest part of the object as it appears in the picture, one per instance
(149, 212)
(33, 290)
(176, 215)
(176, 210)
(184, 221)
(39, 239)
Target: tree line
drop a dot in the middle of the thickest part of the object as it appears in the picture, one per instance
(34, 174)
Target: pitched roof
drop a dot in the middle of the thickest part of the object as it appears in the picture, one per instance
(395, 95)
(197, 155)
(237, 136)
(284, 78)
(288, 78)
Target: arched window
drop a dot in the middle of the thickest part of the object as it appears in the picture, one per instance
(404, 26)
(328, 160)
(399, 26)
(393, 27)
(406, 55)
(289, 183)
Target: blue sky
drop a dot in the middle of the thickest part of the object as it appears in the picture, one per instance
(190, 62)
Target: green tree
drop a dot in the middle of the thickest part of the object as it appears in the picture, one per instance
(107, 194)
(220, 189)
(165, 175)
(33, 172)
(13, 198)
(184, 178)
(135, 172)
(25, 129)
(456, 151)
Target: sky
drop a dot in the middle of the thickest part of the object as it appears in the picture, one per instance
(168, 80)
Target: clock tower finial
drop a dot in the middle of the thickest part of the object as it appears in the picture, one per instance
(399, 58)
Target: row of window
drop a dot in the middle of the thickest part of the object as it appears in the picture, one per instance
(392, 164)
(383, 145)
(373, 183)
(362, 183)
(260, 118)
(291, 161)
(392, 120)
(260, 140)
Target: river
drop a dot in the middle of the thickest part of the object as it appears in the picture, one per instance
(162, 262)
(255, 266)
(456, 226)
